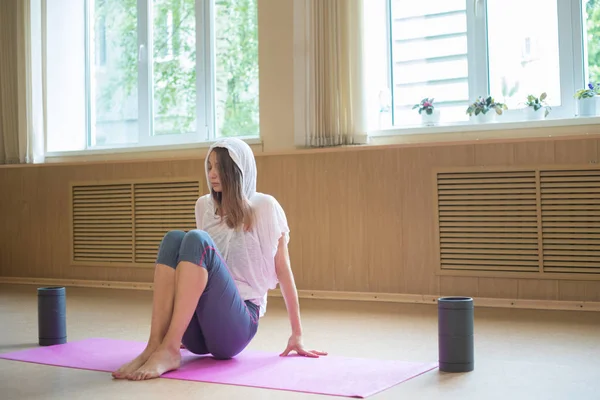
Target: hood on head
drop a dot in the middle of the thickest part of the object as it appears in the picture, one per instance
(243, 157)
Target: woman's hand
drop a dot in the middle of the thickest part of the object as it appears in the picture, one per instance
(290, 295)
(295, 344)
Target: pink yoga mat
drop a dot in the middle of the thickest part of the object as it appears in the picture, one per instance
(331, 375)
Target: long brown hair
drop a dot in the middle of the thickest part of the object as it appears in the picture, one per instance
(230, 201)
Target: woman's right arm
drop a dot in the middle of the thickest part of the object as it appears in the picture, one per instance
(199, 209)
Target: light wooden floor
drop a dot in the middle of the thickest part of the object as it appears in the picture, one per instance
(520, 354)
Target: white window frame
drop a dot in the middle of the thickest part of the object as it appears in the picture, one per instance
(77, 98)
(572, 72)
(477, 44)
(570, 56)
(205, 126)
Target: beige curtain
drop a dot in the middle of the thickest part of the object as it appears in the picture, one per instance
(9, 114)
(329, 80)
(21, 91)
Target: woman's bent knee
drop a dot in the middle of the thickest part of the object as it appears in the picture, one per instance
(173, 239)
(194, 241)
(194, 247)
(197, 236)
(168, 252)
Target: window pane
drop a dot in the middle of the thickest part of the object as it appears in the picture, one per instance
(409, 8)
(174, 66)
(523, 51)
(236, 74)
(114, 72)
(592, 24)
(66, 100)
(429, 55)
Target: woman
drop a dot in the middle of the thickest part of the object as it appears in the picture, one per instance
(210, 284)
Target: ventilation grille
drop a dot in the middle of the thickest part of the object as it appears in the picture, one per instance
(124, 223)
(102, 228)
(158, 209)
(571, 221)
(488, 221)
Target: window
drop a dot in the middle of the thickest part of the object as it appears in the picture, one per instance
(100, 39)
(429, 57)
(525, 58)
(457, 50)
(136, 73)
(591, 18)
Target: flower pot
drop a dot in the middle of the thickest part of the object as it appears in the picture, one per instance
(481, 118)
(587, 107)
(430, 119)
(532, 115)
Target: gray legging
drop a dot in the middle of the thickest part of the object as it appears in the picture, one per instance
(223, 324)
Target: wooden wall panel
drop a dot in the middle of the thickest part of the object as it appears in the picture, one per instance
(576, 151)
(498, 288)
(579, 291)
(528, 153)
(379, 236)
(538, 289)
(572, 291)
(495, 154)
(35, 238)
(459, 286)
(415, 202)
(361, 219)
(592, 291)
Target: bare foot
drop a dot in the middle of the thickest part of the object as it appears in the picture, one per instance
(161, 361)
(133, 365)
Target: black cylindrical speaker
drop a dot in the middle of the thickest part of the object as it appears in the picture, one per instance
(455, 334)
(52, 316)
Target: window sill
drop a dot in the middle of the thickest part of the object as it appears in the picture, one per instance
(497, 125)
(492, 132)
(131, 152)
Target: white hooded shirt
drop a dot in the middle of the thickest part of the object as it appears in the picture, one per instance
(249, 255)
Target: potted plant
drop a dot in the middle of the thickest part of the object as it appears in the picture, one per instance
(535, 105)
(587, 100)
(429, 115)
(485, 109)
